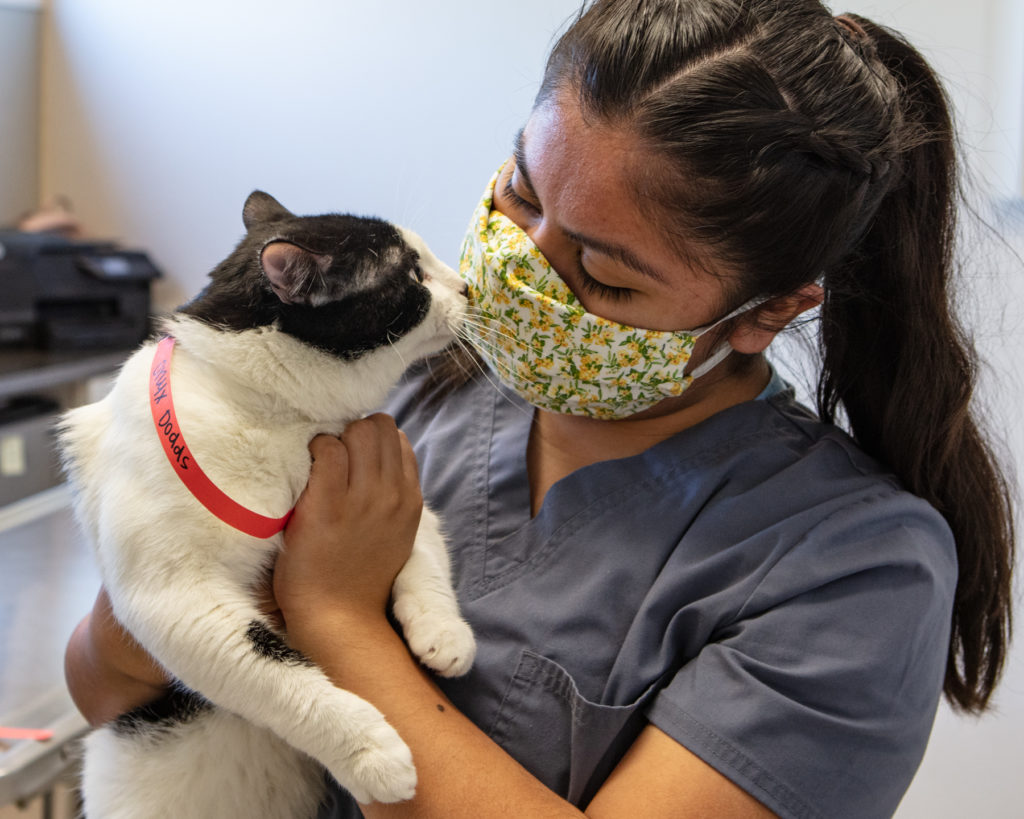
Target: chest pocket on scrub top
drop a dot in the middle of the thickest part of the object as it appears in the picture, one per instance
(568, 742)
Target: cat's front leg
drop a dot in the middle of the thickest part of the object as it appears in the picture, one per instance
(425, 605)
(210, 635)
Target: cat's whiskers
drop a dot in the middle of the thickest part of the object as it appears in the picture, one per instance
(490, 326)
(497, 336)
(396, 351)
(495, 363)
(485, 372)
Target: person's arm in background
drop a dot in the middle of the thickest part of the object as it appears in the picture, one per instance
(107, 672)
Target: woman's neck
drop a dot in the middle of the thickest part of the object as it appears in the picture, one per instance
(560, 444)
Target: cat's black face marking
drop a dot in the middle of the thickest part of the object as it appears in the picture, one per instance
(177, 706)
(345, 284)
(269, 645)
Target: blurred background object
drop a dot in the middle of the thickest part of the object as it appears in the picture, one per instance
(55, 217)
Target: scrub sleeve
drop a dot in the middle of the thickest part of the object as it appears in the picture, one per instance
(756, 587)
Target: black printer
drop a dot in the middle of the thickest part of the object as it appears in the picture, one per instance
(58, 293)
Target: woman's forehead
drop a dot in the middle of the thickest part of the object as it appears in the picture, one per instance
(580, 172)
(585, 173)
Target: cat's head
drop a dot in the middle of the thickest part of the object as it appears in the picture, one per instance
(347, 285)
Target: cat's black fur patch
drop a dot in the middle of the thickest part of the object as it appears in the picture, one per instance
(269, 645)
(365, 297)
(177, 706)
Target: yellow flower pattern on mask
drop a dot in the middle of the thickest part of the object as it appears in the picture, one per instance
(538, 339)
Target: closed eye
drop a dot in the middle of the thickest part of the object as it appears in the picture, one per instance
(599, 288)
(510, 193)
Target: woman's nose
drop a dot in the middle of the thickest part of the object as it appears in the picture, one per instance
(553, 244)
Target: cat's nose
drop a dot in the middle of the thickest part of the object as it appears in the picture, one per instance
(464, 290)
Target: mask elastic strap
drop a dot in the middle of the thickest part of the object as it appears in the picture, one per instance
(743, 308)
(725, 348)
(716, 358)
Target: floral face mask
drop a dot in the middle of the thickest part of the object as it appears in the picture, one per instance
(539, 341)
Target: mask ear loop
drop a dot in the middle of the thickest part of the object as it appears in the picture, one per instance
(725, 348)
(722, 353)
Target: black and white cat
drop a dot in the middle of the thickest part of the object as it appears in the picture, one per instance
(305, 327)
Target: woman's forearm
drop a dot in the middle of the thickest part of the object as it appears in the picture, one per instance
(461, 771)
(107, 672)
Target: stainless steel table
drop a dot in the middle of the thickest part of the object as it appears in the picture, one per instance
(47, 583)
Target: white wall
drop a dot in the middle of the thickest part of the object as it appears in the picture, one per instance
(159, 118)
(978, 47)
(19, 110)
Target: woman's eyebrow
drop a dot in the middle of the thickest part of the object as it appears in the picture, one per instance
(617, 252)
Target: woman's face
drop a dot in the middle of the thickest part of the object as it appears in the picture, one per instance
(568, 188)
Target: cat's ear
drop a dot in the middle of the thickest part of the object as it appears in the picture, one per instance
(261, 207)
(294, 272)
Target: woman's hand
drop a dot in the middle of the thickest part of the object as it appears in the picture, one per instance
(108, 673)
(352, 530)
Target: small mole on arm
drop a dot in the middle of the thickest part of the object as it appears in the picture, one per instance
(440, 708)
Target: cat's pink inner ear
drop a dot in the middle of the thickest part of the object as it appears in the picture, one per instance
(295, 274)
(286, 266)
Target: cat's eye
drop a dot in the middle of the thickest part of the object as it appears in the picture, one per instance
(416, 273)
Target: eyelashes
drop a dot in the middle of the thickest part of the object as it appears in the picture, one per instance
(589, 284)
(517, 200)
(599, 288)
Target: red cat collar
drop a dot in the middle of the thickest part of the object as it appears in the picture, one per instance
(184, 462)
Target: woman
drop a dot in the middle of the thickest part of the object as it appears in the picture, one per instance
(691, 597)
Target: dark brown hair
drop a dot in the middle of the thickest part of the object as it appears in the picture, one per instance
(803, 148)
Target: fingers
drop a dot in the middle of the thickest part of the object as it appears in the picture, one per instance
(372, 452)
(367, 443)
(329, 473)
(378, 452)
(390, 451)
(410, 468)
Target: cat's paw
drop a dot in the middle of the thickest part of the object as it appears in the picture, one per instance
(381, 770)
(444, 644)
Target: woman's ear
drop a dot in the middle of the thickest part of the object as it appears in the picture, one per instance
(755, 332)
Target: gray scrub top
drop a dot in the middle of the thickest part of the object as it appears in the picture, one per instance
(755, 586)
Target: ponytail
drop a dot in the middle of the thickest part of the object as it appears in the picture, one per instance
(903, 371)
